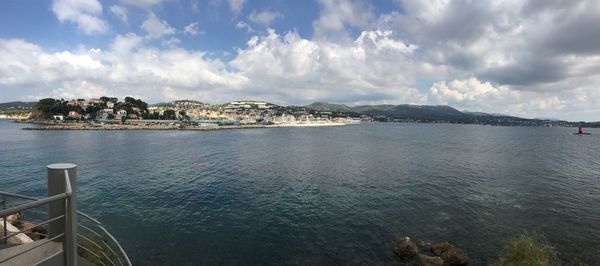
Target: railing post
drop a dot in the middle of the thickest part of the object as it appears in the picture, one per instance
(68, 225)
(4, 234)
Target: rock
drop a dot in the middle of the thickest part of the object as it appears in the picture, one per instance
(439, 248)
(455, 257)
(425, 260)
(13, 218)
(36, 233)
(406, 249)
(450, 254)
(17, 239)
(424, 247)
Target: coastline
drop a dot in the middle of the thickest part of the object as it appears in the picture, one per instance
(59, 127)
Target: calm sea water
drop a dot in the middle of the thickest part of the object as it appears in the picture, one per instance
(331, 195)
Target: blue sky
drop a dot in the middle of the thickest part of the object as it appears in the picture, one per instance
(506, 56)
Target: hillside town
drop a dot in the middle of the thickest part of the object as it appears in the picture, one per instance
(131, 113)
(110, 113)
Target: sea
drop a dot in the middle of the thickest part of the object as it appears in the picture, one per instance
(322, 195)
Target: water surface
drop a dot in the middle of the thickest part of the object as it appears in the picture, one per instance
(330, 195)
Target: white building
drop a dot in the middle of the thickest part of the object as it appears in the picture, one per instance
(249, 105)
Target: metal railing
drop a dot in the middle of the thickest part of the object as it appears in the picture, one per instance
(94, 243)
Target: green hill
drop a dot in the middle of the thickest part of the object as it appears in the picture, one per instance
(17, 105)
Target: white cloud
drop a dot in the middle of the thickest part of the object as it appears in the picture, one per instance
(171, 42)
(192, 29)
(128, 68)
(474, 95)
(142, 3)
(156, 28)
(264, 17)
(510, 57)
(85, 13)
(337, 15)
(243, 25)
(288, 67)
(236, 6)
(120, 12)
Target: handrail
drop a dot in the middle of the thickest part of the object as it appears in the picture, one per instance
(37, 202)
(17, 195)
(33, 227)
(31, 248)
(112, 238)
(68, 189)
(105, 239)
(33, 204)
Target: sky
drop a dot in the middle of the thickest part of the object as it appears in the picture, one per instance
(536, 58)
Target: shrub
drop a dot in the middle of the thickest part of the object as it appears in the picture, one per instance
(529, 249)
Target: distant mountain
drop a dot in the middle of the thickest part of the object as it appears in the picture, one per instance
(547, 118)
(485, 114)
(329, 107)
(178, 102)
(404, 111)
(429, 113)
(17, 105)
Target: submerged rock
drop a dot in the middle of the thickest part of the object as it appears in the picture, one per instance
(450, 254)
(406, 249)
(425, 260)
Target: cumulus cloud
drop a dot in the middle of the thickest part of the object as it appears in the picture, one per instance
(120, 12)
(475, 95)
(526, 44)
(85, 13)
(298, 68)
(128, 67)
(156, 28)
(264, 17)
(192, 29)
(337, 15)
(528, 58)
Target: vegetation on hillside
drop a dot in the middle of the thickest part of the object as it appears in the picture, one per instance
(47, 108)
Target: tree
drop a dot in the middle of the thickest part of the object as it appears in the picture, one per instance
(93, 110)
(136, 103)
(48, 107)
(107, 99)
(169, 114)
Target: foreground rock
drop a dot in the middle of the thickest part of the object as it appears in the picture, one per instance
(33, 231)
(425, 260)
(450, 254)
(16, 239)
(405, 249)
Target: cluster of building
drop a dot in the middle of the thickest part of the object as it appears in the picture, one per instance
(244, 113)
(100, 109)
(195, 113)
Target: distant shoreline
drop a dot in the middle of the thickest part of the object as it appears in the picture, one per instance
(117, 127)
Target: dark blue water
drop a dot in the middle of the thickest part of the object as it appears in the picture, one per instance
(331, 195)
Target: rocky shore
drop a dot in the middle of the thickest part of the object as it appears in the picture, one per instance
(428, 254)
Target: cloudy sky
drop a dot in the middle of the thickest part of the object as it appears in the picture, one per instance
(537, 58)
